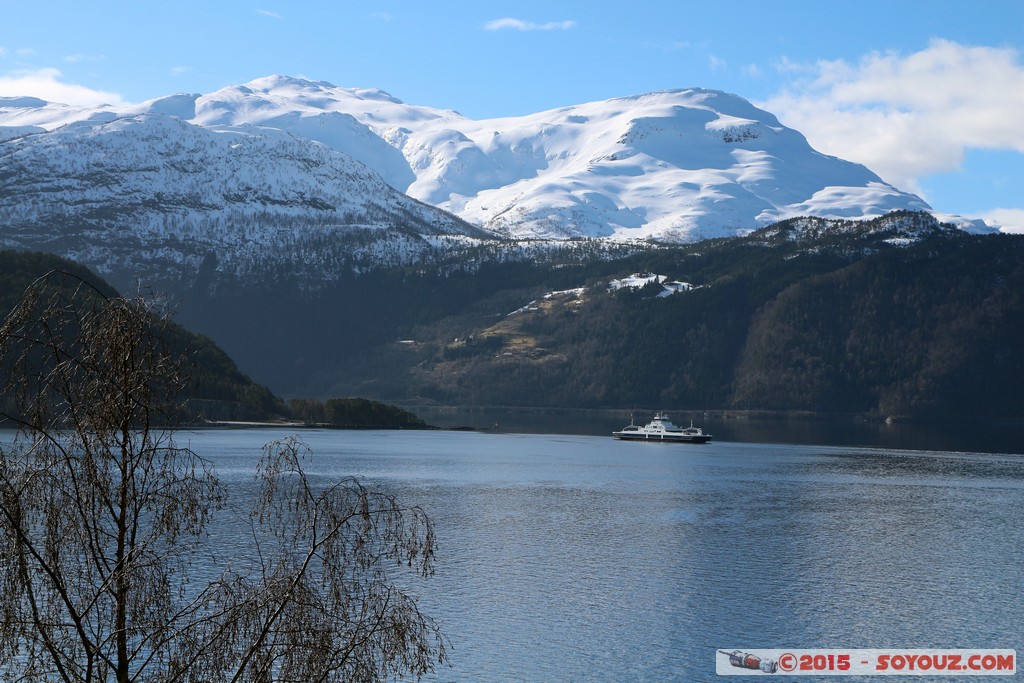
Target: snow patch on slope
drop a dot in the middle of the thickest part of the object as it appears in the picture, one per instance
(640, 280)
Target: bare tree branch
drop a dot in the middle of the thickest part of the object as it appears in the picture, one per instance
(101, 513)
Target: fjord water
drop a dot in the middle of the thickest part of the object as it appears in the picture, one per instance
(581, 558)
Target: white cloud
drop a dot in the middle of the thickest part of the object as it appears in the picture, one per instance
(674, 46)
(269, 13)
(3, 52)
(381, 16)
(46, 84)
(785, 65)
(908, 116)
(520, 25)
(179, 70)
(76, 58)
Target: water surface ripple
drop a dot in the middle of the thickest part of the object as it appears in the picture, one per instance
(581, 558)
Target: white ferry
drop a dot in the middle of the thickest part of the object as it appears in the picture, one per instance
(662, 429)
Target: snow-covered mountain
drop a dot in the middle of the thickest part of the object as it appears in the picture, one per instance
(149, 191)
(675, 165)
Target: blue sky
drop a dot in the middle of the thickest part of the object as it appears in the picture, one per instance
(929, 94)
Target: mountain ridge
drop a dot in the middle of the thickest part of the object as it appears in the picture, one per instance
(673, 165)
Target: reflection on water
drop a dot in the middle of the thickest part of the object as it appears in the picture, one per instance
(973, 436)
(581, 558)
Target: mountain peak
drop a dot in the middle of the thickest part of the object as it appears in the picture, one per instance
(672, 165)
(278, 84)
(281, 81)
(21, 102)
(715, 100)
(182, 105)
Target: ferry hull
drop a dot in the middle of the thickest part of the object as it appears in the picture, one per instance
(664, 438)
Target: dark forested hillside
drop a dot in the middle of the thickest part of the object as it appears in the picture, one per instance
(218, 390)
(794, 317)
(900, 316)
(935, 329)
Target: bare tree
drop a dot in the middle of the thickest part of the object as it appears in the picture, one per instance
(102, 515)
(316, 604)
